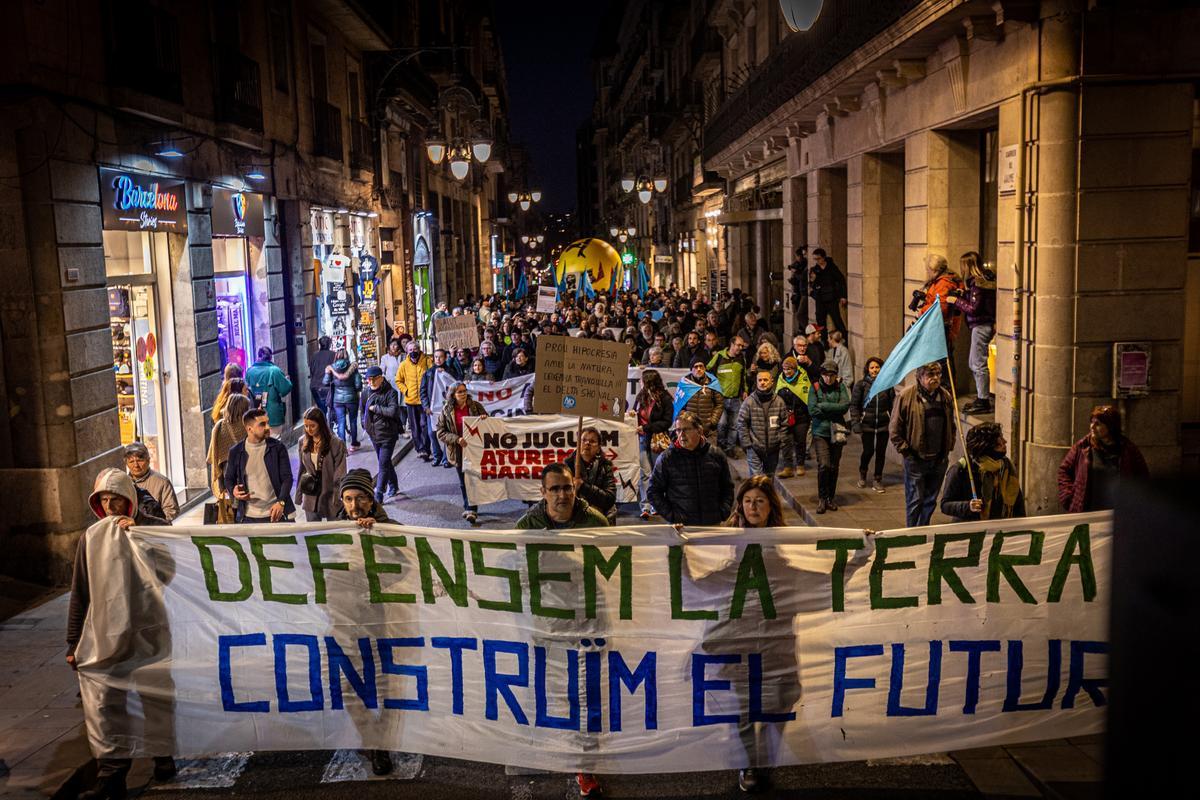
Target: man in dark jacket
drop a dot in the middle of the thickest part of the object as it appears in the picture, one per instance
(827, 285)
(870, 420)
(922, 430)
(596, 482)
(381, 415)
(560, 506)
(317, 363)
(115, 495)
(798, 281)
(691, 483)
(693, 350)
(428, 387)
(260, 473)
(991, 489)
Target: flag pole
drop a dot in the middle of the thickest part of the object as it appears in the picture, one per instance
(962, 437)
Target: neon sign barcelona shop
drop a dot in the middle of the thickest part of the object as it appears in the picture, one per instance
(139, 213)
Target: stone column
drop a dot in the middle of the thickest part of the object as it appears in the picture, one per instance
(827, 216)
(761, 268)
(198, 376)
(795, 229)
(874, 253)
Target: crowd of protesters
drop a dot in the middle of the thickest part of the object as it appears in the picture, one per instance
(745, 399)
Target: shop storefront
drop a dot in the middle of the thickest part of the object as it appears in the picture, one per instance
(346, 270)
(141, 214)
(240, 276)
(423, 277)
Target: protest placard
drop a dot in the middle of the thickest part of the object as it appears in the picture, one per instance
(452, 332)
(499, 398)
(671, 378)
(583, 377)
(503, 457)
(547, 298)
(616, 650)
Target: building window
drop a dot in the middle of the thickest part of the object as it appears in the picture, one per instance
(281, 52)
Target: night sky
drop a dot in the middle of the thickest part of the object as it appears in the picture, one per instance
(547, 56)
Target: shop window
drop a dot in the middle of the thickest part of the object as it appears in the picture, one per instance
(131, 252)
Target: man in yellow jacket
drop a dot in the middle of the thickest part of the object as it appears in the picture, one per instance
(408, 385)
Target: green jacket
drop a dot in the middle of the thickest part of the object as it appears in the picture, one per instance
(264, 377)
(730, 372)
(584, 516)
(827, 405)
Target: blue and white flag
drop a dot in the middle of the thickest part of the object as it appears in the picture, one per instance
(688, 387)
(924, 343)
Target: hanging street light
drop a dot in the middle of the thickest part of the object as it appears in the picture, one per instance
(645, 190)
(613, 231)
(536, 195)
(660, 183)
(460, 160)
(627, 183)
(435, 148)
(512, 197)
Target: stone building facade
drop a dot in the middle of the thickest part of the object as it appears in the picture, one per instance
(173, 176)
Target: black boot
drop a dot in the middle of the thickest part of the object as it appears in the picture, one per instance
(381, 762)
(164, 768)
(108, 787)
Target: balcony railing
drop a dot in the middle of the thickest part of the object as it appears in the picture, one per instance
(327, 130)
(842, 27)
(238, 92)
(360, 146)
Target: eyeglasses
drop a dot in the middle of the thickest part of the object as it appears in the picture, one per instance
(561, 489)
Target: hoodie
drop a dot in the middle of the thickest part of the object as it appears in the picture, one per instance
(143, 506)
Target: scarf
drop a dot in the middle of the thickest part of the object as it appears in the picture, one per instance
(997, 483)
(764, 396)
(225, 435)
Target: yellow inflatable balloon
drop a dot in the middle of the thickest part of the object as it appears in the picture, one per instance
(596, 257)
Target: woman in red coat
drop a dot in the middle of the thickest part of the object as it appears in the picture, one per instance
(1091, 472)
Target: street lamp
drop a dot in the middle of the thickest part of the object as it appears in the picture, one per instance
(613, 231)
(481, 145)
(524, 238)
(460, 160)
(536, 195)
(512, 197)
(622, 237)
(541, 238)
(645, 190)
(627, 183)
(660, 183)
(435, 148)
(631, 230)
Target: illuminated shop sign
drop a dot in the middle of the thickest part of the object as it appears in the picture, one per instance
(142, 202)
(237, 213)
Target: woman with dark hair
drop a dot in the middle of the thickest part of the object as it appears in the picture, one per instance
(978, 305)
(997, 492)
(479, 371)
(870, 419)
(1091, 472)
(654, 409)
(449, 431)
(756, 505)
(322, 467)
(345, 390)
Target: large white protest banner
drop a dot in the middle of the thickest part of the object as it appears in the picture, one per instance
(499, 398)
(503, 458)
(671, 378)
(616, 650)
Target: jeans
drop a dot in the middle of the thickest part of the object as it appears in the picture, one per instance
(922, 481)
(829, 456)
(762, 462)
(386, 477)
(647, 461)
(981, 337)
(344, 417)
(462, 485)
(318, 397)
(439, 455)
(727, 435)
(874, 444)
(419, 428)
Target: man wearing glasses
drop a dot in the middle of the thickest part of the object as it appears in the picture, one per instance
(691, 483)
(559, 506)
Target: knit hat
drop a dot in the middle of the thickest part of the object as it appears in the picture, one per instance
(358, 479)
(830, 366)
(792, 361)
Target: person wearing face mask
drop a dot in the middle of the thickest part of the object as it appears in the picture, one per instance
(1092, 471)
(984, 485)
(762, 425)
(870, 420)
(408, 386)
(827, 404)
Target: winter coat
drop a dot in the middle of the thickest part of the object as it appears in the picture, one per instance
(1073, 492)
(515, 370)
(763, 425)
(345, 384)
(160, 488)
(841, 356)
(408, 378)
(827, 284)
(279, 469)
(660, 415)
(583, 516)
(116, 481)
(317, 363)
(795, 393)
(382, 424)
(326, 503)
(872, 416)
(941, 287)
(956, 494)
(264, 378)
(827, 405)
(707, 404)
(692, 487)
(978, 304)
(447, 433)
(494, 365)
(906, 428)
(429, 382)
(599, 484)
(731, 372)
(687, 356)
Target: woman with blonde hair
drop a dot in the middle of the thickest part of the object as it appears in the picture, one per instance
(767, 359)
(233, 384)
(228, 431)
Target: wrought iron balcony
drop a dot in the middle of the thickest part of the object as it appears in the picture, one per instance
(842, 27)
(327, 130)
(238, 94)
